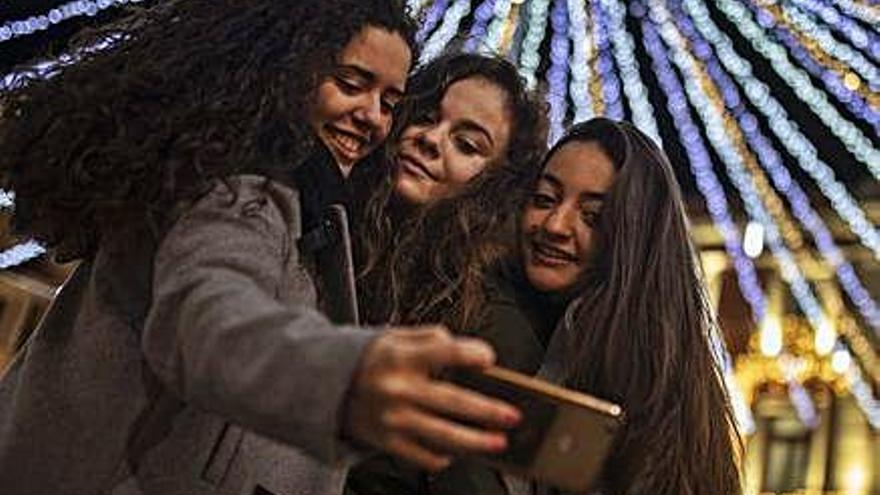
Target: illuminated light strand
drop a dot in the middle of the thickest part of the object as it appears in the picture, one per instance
(832, 80)
(482, 15)
(861, 38)
(414, 7)
(595, 87)
(799, 81)
(864, 396)
(511, 27)
(434, 16)
(24, 27)
(557, 74)
(581, 52)
(707, 181)
(797, 198)
(447, 30)
(20, 253)
(841, 51)
(786, 130)
(496, 28)
(623, 49)
(613, 104)
(861, 12)
(733, 162)
(711, 189)
(803, 404)
(530, 58)
(791, 274)
(7, 200)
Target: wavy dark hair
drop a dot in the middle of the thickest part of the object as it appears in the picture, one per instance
(189, 91)
(652, 356)
(427, 263)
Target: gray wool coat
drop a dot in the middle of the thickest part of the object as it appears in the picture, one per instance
(196, 366)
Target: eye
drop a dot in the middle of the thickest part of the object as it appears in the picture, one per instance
(466, 146)
(348, 85)
(542, 200)
(590, 218)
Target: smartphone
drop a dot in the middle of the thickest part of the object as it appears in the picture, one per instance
(564, 436)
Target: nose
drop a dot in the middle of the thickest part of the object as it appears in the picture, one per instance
(368, 115)
(428, 141)
(559, 223)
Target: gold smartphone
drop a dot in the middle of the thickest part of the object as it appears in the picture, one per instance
(564, 436)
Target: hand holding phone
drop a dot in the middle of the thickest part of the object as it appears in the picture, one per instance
(564, 436)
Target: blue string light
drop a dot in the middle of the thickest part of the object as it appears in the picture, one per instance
(579, 87)
(783, 127)
(479, 27)
(796, 78)
(624, 54)
(530, 58)
(496, 28)
(864, 13)
(20, 253)
(557, 74)
(861, 38)
(447, 30)
(24, 27)
(605, 65)
(782, 180)
(433, 17)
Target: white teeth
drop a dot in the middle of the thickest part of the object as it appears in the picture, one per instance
(348, 143)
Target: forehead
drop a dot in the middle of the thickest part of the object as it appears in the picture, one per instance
(380, 52)
(582, 166)
(480, 101)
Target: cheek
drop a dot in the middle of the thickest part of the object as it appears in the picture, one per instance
(462, 169)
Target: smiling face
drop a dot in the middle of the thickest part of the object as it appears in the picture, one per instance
(353, 105)
(558, 221)
(447, 148)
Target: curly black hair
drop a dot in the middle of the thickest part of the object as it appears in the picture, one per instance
(428, 263)
(189, 91)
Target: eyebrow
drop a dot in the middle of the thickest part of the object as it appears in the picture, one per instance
(583, 196)
(368, 76)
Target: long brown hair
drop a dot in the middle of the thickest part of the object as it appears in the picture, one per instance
(639, 333)
(188, 92)
(427, 263)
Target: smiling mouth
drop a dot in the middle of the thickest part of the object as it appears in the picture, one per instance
(414, 167)
(349, 144)
(546, 254)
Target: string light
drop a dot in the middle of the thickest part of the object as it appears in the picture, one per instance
(790, 272)
(797, 198)
(862, 12)
(581, 52)
(799, 81)
(861, 38)
(7, 200)
(624, 54)
(20, 253)
(613, 104)
(786, 130)
(530, 57)
(16, 29)
(557, 75)
(434, 16)
(496, 28)
(447, 30)
(479, 27)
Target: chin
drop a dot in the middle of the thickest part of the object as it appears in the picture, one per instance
(409, 191)
(544, 280)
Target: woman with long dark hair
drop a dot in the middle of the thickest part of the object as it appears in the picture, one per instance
(182, 355)
(606, 223)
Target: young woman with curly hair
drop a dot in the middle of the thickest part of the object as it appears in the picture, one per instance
(606, 224)
(184, 354)
(467, 145)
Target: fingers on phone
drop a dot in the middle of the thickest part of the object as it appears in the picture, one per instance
(444, 435)
(458, 402)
